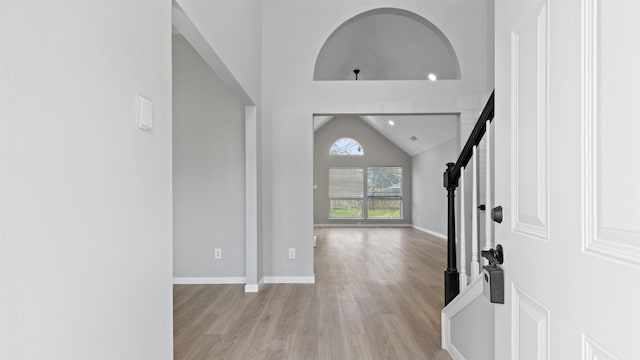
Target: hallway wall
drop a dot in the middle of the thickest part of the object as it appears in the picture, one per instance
(85, 195)
(229, 33)
(208, 170)
(429, 195)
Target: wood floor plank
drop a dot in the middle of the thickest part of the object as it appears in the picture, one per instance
(378, 295)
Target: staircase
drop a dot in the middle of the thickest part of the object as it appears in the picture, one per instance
(468, 316)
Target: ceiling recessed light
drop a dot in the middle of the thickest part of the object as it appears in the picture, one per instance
(391, 122)
(432, 77)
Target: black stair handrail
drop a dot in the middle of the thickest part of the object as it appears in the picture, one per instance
(474, 138)
(451, 177)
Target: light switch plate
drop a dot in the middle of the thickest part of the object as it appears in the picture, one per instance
(145, 113)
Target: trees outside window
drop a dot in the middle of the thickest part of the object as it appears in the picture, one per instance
(346, 146)
(384, 192)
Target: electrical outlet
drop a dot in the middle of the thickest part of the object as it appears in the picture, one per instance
(292, 253)
(218, 253)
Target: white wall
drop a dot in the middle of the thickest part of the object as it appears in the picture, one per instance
(85, 196)
(429, 194)
(293, 33)
(233, 29)
(208, 170)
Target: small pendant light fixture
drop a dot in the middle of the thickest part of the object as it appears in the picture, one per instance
(356, 71)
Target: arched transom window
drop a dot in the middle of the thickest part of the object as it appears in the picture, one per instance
(346, 146)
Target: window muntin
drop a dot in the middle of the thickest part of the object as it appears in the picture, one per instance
(346, 193)
(384, 192)
(346, 146)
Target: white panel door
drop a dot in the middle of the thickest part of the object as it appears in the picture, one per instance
(567, 173)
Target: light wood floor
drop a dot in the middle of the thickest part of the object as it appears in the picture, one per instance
(378, 295)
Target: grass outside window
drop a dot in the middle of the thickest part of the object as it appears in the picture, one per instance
(345, 209)
(384, 208)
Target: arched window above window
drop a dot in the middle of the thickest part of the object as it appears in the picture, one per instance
(346, 146)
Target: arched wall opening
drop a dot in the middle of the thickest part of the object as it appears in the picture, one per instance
(387, 44)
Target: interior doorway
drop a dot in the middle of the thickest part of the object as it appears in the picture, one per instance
(377, 170)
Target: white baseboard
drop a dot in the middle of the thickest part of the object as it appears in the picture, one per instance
(362, 225)
(253, 288)
(430, 232)
(209, 280)
(454, 353)
(290, 279)
(466, 296)
(243, 280)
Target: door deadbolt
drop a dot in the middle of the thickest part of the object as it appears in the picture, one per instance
(496, 214)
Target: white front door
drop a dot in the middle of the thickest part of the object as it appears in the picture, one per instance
(567, 173)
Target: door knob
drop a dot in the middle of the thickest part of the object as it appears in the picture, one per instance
(494, 256)
(496, 214)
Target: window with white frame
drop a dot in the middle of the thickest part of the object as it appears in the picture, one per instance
(346, 192)
(384, 192)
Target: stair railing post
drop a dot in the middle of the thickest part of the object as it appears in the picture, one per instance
(451, 276)
(475, 265)
(462, 243)
(488, 243)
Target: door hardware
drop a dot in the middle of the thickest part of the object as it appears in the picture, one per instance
(496, 214)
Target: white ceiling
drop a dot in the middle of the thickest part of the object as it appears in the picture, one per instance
(386, 44)
(320, 120)
(431, 130)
